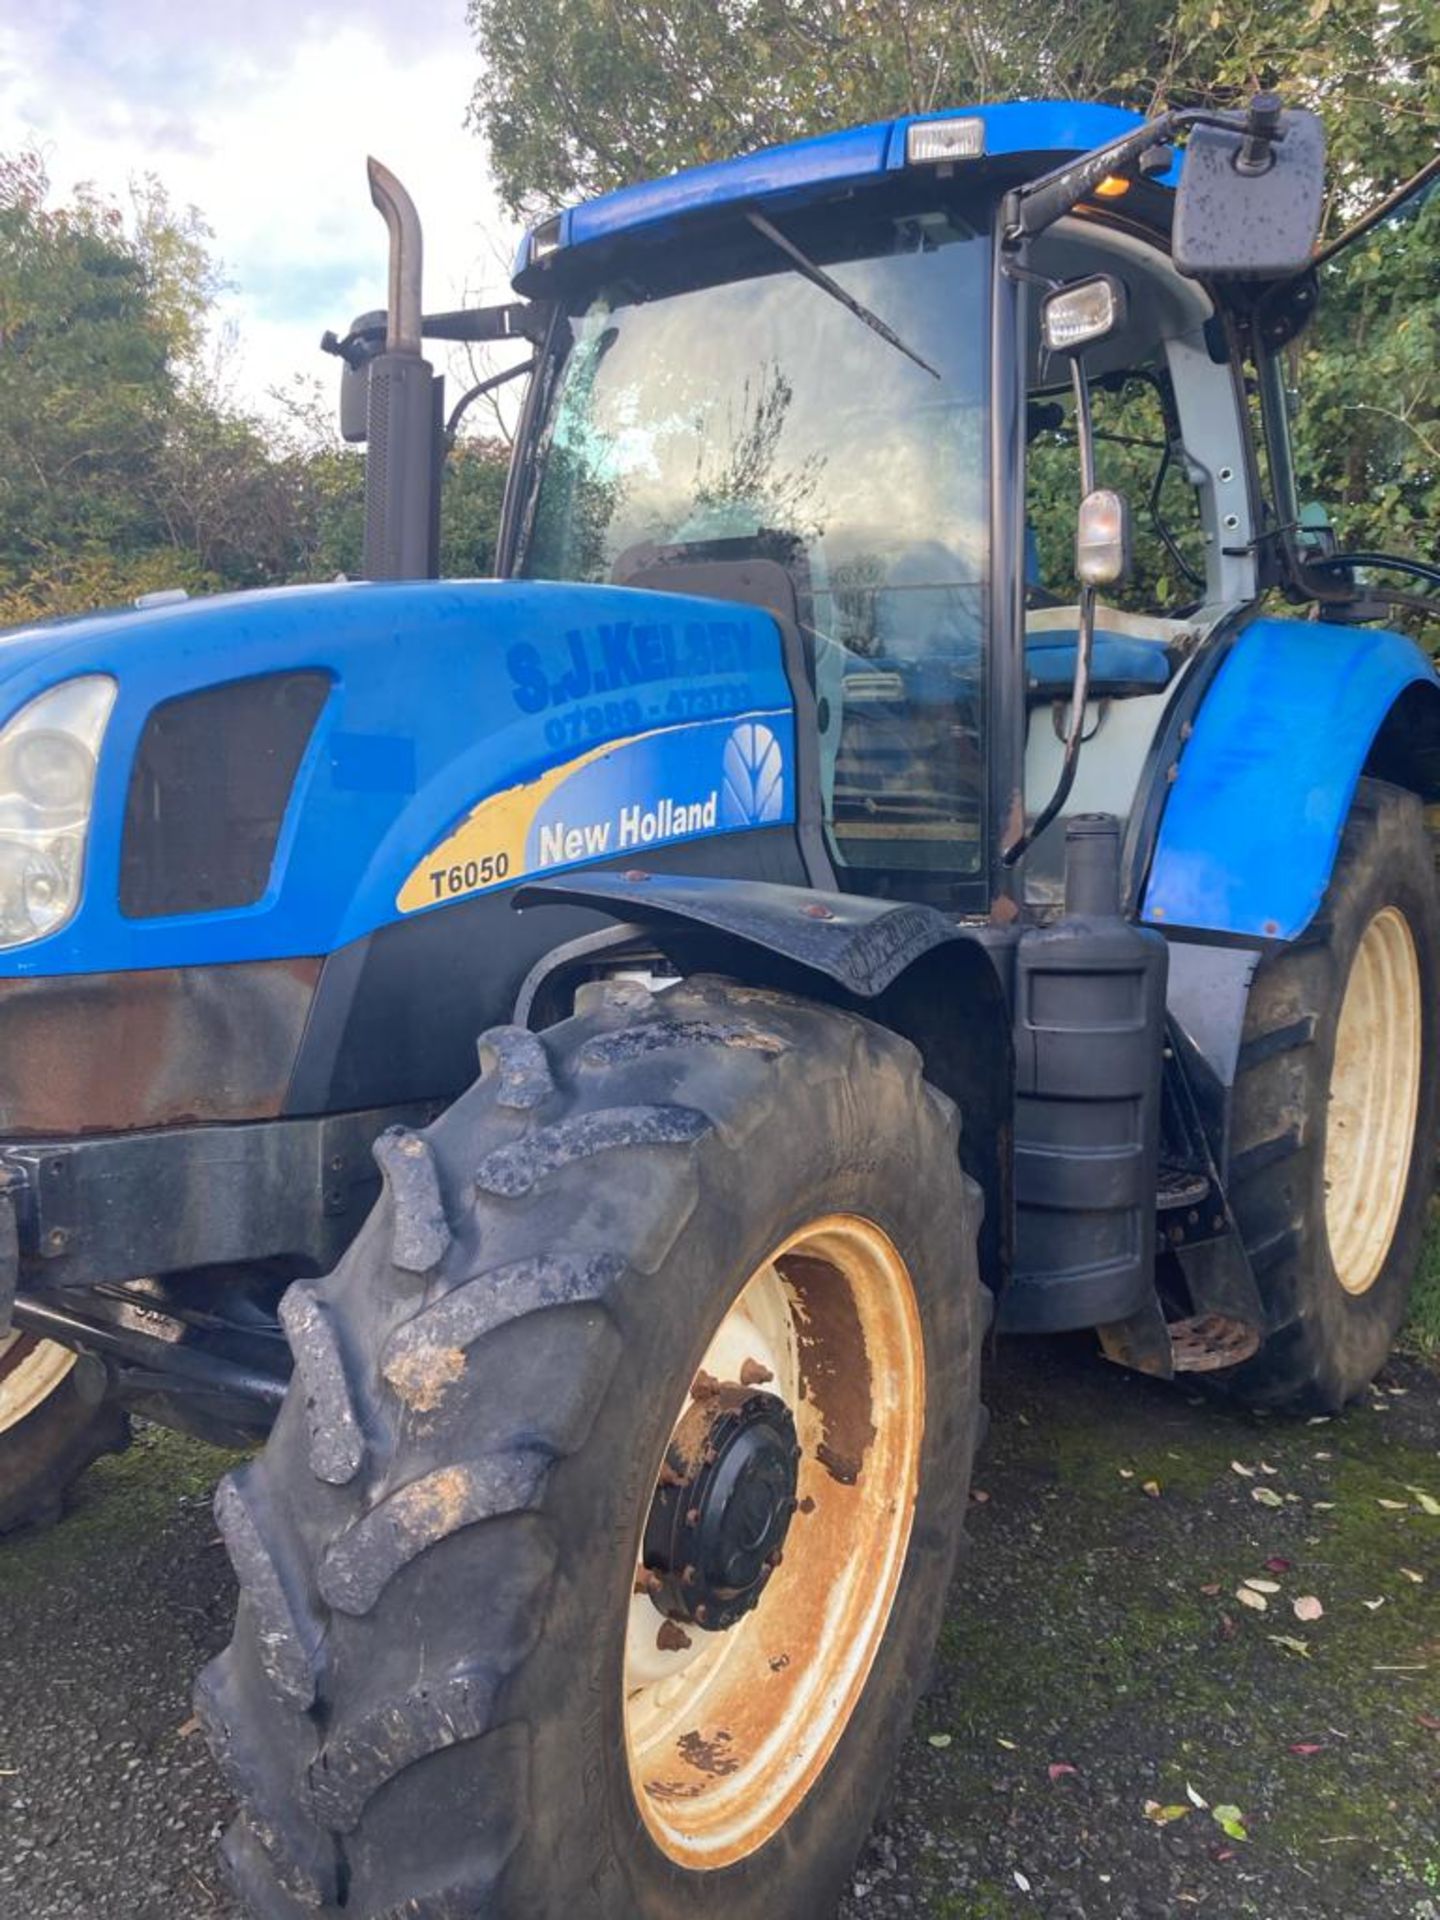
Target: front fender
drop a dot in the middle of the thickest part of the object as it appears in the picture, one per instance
(1249, 833)
(905, 966)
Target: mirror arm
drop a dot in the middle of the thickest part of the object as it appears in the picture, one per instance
(477, 392)
(1374, 215)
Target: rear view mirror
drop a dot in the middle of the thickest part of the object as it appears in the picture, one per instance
(1250, 197)
(355, 402)
(365, 339)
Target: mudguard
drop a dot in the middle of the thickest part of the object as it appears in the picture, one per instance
(1249, 833)
(862, 945)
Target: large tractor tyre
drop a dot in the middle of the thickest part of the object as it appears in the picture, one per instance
(49, 1433)
(1335, 1114)
(597, 1557)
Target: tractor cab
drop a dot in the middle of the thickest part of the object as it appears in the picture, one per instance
(824, 378)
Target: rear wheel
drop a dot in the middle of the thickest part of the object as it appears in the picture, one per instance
(1336, 1110)
(49, 1433)
(597, 1557)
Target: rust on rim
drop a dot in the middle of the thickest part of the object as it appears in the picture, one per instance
(30, 1371)
(1374, 1100)
(727, 1731)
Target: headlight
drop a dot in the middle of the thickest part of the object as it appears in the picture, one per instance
(47, 783)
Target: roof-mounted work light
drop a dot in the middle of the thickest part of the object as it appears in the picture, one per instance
(932, 142)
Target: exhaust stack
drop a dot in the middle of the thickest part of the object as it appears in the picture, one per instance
(405, 410)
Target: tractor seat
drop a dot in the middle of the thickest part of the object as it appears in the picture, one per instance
(1119, 664)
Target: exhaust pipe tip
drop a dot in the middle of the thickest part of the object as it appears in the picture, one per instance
(407, 253)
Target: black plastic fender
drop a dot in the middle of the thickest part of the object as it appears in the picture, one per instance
(943, 985)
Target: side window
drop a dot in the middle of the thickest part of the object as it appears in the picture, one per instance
(1364, 398)
(1138, 452)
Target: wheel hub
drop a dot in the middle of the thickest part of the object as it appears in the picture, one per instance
(723, 1507)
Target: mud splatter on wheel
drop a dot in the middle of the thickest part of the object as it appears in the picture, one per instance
(620, 1592)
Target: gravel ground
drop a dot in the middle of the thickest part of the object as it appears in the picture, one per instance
(1095, 1659)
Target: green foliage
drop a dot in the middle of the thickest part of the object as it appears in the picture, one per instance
(122, 469)
(579, 96)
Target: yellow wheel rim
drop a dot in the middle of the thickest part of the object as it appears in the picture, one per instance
(1374, 1099)
(727, 1732)
(30, 1371)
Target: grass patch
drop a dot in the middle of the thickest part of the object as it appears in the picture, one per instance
(1421, 1332)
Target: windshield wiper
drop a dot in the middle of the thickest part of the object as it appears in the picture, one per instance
(819, 278)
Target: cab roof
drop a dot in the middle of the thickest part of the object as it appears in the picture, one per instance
(802, 170)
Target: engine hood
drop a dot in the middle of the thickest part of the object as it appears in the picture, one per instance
(469, 726)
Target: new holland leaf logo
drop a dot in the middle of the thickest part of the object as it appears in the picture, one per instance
(754, 776)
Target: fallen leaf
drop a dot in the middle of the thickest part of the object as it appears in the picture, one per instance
(1410, 1574)
(1395, 1506)
(1247, 1598)
(1307, 1607)
(1230, 1821)
(1263, 1586)
(1323, 1453)
(1323, 1506)
(1267, 1496)
(1021, 1881)
(1009, 1745)
(1430, 1722)
(1127, 1473)
(941, 1740)
(1059, 1768)
(979, 1496)
(1152, 1487)
(1195, 1799)
(1318, 1420)
(1306, 1747)
(1265, 1467)
(192, 1725)
(1426, 1502)
(1162, 1816)
(1276, 1565)
(1301, 1648)
(1211, 1591)
(1374, 1605)
(1238, 1466)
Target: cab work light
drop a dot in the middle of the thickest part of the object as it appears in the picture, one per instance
(1102, 538)
(48, 753)
(1076, 316)
(929, 142)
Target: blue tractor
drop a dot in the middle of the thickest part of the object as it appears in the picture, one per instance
(923, 919)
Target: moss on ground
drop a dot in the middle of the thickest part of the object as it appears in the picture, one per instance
(1421, 1334)
(124, 1500)
(1097, 1629)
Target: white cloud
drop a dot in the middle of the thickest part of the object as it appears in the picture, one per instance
(262, 116)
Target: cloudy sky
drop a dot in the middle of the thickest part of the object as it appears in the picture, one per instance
(261, 113)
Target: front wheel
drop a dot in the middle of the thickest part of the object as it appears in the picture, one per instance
(49, 1432)
(598, 1554)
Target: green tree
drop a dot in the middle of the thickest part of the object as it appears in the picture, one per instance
(580, 96)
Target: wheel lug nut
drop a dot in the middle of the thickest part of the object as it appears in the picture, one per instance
(692, 1518)
(688, 1577)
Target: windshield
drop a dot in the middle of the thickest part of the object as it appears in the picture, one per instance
(757, 415)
